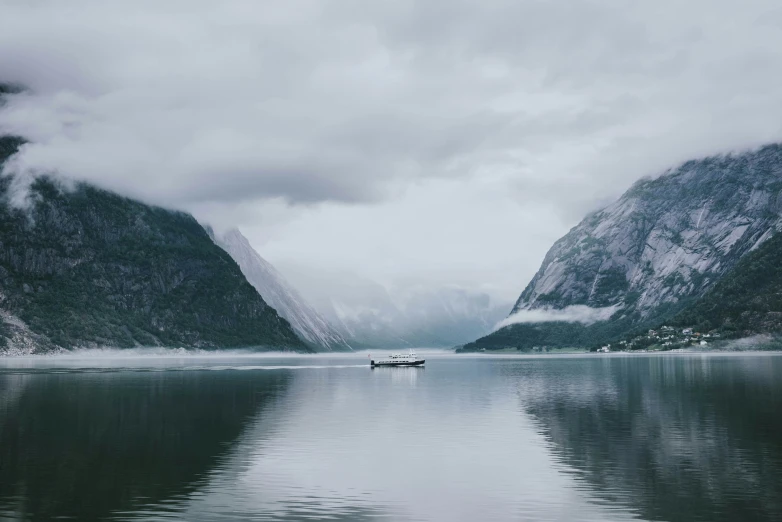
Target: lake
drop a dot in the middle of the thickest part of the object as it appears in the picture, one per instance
(682, 437)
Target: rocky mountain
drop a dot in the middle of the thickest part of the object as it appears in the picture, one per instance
(642, 259)
(80, 266)
(305, 320)
(747, 301)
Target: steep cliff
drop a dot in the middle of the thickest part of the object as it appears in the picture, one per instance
(308, 323)
(80, 266)
(645, 257)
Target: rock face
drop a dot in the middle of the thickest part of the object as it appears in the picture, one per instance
(84, 267)
(308, 323)
(747, 301)
(665, 242)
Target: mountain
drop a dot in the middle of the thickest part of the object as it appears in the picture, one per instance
(747, 301)
(449, 315)
(650, 254)
(308, 323)
(80, 266)
(369, 315)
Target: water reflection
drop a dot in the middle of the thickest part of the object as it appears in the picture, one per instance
(439, 444)
(678, 438)
(485, 438)
(401, 375)
(86, 446)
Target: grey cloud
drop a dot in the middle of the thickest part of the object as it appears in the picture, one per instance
(315, 101)
(228, 104)
(213, 106)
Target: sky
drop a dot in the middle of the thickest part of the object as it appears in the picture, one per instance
(417, 144)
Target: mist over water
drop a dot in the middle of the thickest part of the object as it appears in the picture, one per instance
(278, 437)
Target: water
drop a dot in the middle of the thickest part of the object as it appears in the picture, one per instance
(677, 437)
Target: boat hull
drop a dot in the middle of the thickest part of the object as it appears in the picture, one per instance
(396, 363)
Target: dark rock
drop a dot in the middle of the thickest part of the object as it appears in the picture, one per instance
(110, 271)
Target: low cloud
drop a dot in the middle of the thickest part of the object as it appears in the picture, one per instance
(755, 342)
(570, 314)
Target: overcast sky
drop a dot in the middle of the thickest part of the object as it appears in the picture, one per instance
(437, 142)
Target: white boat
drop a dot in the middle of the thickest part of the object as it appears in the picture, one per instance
(398, 359)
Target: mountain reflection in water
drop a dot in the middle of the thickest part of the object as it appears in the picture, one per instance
(679, 438)
(598, 438)
(89, 445)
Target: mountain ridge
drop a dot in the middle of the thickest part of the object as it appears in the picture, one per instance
(652, 252)
(279, 293)
(83, 267)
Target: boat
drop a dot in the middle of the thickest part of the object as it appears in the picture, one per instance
(398, 359)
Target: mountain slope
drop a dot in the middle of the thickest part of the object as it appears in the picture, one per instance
(85, 267)
(273, 287)
(747, 301)
(665, 242)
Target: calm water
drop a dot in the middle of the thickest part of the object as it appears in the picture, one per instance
(678, 437)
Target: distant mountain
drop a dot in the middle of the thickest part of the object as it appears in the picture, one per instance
(449, 315)
(308, 323)
(649, 255)
(369, 316)
(85, 267)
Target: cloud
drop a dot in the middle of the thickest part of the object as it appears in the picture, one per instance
(315, 101)
(570, 314)
(285, 115)
(229, 101)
